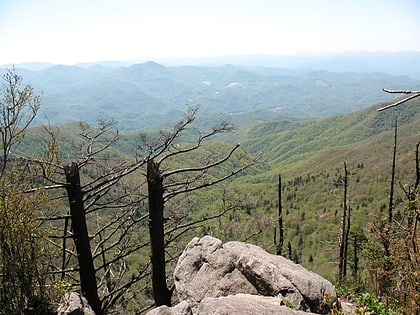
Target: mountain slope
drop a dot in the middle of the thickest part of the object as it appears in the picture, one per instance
(310, 156)
(283, 143)
(149, 95)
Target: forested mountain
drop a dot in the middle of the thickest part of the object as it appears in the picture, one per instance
(284, 143)
(149, 95)
(310, 154)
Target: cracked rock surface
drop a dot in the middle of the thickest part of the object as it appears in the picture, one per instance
(208, 270)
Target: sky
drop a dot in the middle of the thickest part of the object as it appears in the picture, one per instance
(76, 31)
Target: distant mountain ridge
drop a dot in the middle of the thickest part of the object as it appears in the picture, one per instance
(148, 95)
(395, 63)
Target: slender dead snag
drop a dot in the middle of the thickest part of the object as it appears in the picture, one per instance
(415, 195)
(391, 190)
(345, 228)
(162, 295)
(166, 184)
(416, 184)
(279, 244)
(81, 238)
(18, 108)
(159, 193)
(346, 247)
(100, 252)
(413, 94)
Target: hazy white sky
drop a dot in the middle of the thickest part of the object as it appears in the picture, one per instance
(73, 31)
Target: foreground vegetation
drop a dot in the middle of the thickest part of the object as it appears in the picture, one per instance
(382, 255)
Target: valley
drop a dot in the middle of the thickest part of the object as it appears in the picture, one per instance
(302, 126)
(149, 95)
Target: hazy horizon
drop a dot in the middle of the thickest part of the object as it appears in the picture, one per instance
(394, 63)
(73, 32)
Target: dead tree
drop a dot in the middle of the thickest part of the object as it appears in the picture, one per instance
(280, 242)
(81, 237)
(417, 167)
(165, 184)
(345, 229)
(392, 183)
(161, 293)
(412, 95)
(99, 250)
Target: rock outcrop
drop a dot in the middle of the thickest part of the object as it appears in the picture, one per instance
(240, 278)
(243, 304)
(74, 304)
(182, 308)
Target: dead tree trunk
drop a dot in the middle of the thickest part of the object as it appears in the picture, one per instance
(279, 244)
(81, 238)
(345, 228)
(391, 191)
(416, 184)
(162, 295)
(346, 242)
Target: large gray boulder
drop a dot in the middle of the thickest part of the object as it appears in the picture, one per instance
(74, 304)
(182, 308)
(209, 269)
(245, 304)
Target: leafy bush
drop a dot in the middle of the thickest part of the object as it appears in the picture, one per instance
(374, 305)
(22, 250)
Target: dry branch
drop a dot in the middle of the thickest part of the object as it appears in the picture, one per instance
(413, 94)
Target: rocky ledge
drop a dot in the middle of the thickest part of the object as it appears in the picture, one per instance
(240, 278)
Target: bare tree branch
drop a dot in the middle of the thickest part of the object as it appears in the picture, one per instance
(204, 167)
(168, 196)
(413, 95)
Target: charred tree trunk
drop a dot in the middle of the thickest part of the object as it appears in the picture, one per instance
(391, 191)
(279, 244)
(413, 197)
(81, 238)
(416, 184)
(346, 243)
(162, 295)
(345, 228)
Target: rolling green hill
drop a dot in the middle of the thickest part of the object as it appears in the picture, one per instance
(283, 143)
(310, 156)
(149, 95)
